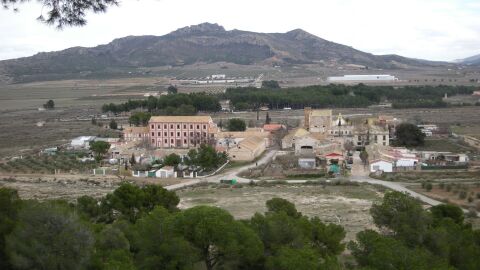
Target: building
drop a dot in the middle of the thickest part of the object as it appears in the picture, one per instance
(181, 131)
(82, 141)
(428, 130)
(225, 105)
(229, 139)
(317, 121)
(381, 165)
(273, 127)
(341, 128)
(133, 134)
(166, 172)
(476, 93)
(307, 162)
(248, 149)
(371, 134)
(362, 78)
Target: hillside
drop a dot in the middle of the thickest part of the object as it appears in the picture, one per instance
(472, 60)
(203, 43)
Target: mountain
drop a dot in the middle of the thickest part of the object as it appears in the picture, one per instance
(203, 43)
(472, 60)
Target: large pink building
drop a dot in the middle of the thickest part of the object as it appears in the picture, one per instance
(181, 131)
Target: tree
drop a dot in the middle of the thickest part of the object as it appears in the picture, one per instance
(49, 236)
(267, 119)
(172, 160)
(132, 202)
(139, 119)
(450, 211)
(409, 135)
(219, 239)
(403, 215)
(236, 124)
(113, 124)
(68, 12)
(9, 207)
(112, 250)
(277, 205)
(159, 247)
(100, 148)
(133, 161)
(172, 89)
(270, 84)
(364, 157)
(50, 105)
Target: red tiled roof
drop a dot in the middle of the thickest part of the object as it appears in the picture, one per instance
(272, 127)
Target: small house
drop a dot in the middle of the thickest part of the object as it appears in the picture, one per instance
(166, 172)
(381, 165)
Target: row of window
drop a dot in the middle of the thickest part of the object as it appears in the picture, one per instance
(178, 142)
(178, 126)
(178, 133)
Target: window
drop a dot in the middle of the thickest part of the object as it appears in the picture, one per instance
(184, 134)
(165, 134)
(178, 134)
(184, 126)
(159, 126)
(171, 126)
(166, 141)
(165, 126)
(171, 134)
(153, 140)
(159, 134)
(191, 126)
(152, 126)
(184, 141)
(198, 126)
(204, 126)
(153, 134)
(384, 137)
(178, 126)
(191, 134)
(171, 141)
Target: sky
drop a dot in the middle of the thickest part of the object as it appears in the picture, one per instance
(428, 29)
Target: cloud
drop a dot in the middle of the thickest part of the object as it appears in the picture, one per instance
(429, 29)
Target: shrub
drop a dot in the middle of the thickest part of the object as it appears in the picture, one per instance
(428, 186)
(441, 185)
(470, 199)
(463, 195)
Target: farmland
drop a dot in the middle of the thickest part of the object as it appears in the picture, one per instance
(345, 205)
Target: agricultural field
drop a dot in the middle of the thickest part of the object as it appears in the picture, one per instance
(466, 195)
(347, 205)
(47, 165)
(445, 145)
(441, 175)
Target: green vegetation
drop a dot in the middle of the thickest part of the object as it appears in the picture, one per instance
(175, 104)
(409, 135)
(236, 124)
(206, 157)
(137, 227)
(142, 228)
(100, 148)
(139, 119)
(342, 96)
(172, 160)
(47, 164)
(172, 89)
(270, 84)
(50, 105)
(113, 124)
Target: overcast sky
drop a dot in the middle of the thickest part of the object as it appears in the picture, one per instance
(428, 29)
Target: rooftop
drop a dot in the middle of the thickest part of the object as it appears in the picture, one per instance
(181, 119)
(321, 113)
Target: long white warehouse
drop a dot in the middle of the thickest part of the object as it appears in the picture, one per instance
(363, 78)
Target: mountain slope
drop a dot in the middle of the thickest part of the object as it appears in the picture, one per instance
(199, 43)
(472, 60)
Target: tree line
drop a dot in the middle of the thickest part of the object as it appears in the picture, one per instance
(142, 228)
(342, 96)
(172, 104)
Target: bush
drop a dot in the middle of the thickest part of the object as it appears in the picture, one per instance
(470, 199)
(463, 195)
(441, 185)
(428, 186)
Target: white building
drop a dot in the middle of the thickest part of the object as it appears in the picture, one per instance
(362, 78)
(82, 141)
(381, 165)
(166, 172)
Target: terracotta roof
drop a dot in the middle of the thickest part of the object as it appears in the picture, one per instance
(181, 119)
(251, 143)
(242, 134)
(272, 127)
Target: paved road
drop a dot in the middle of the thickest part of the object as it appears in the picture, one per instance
(360, 177)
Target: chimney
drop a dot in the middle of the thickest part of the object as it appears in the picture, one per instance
(306, 122)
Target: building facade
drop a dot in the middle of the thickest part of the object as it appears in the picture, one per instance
(181, 131)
